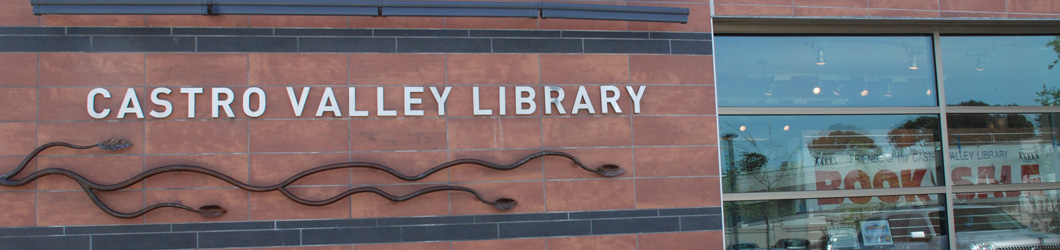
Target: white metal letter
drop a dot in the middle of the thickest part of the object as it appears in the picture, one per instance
(636, 97)
(581, 101)
(379, 104)
(528, 100)
(226, 103)
(475, 103)
(409, 101)
(353, 104)
(549, 100)
(261, 102)
(441, 98)
(609, 99)
(130, 99)
(328, 104)
(502, 110)
(161, 102)
(298, 104)
(191, 92)
(92, 103)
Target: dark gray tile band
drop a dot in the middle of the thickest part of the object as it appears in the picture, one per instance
(223, 226)
(519, 217)
(323, 32)
(443, 45)
(449, 232)
(347, 44)
(333, 236)
(118, 229)
(521, 45)
(32, 31)
(143, 44)
(144, 241)
(689, 211)
(118, 31)
(606, 34)
(613, 214)
(47, 242)
(699, 223)
(636, 225)
(627, 46)
(249, 239)
(247, 44)
(326, 223)
(45, 43)
(690, 47)
(340, 40)
(30, 231)
(515, 33)
(545, 229)
(364, 231)
(425, 220)
(223, 31)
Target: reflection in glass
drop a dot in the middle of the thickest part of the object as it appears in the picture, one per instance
(1024, 220)
(818, 224)
(824, 71)
(1001, 70)
(988, 149)
(804, 153)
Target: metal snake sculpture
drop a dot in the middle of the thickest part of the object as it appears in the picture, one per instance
(90, 188)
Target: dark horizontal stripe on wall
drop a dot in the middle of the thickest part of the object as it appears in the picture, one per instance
(362, 231)
(32, 31)
(317, 40)
(47, 242)
(517, 45)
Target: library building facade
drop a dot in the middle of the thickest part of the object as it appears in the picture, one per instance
(545, 124)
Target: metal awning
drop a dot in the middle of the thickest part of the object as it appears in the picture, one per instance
(361, 8)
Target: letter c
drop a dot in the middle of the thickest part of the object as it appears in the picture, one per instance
(92, 103)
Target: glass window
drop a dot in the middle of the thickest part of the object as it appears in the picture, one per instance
(1024, 221)
(837, 152)
(796, 224)
(824, 71)
(1001, 70)
(988, 149)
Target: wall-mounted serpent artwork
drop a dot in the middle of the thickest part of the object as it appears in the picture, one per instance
(90, 187)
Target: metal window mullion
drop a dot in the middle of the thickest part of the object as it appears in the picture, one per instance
(798, 195)
(1006, 187)
(1003, 109)
(826, 110)
(945, 140)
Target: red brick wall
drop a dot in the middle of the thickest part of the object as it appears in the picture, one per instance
(670, 241)
(1013, 9)
(669, 148)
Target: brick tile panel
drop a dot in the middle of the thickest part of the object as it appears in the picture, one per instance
(684, 240)
(91, 69)
(197, 21)
(298, 21)
(20, 104)
(172, 70)
(579, 195)
(610, 242)
(94, 20)
(678, 192)
(397, 69)
(18, 69)
(17, 13)
(298, 69)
